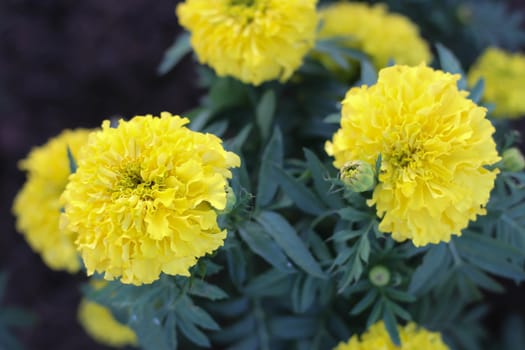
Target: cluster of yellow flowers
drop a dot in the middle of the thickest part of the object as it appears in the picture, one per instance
(252, 40)
(145, 195)
(434, 144)
(37, 205)
(260, 40)
(375, 31)
(143, 200)
(504, 76)
(412, 338)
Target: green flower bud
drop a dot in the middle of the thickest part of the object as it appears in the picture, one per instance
(379, 276)
(231, 200)
(513, 160)
(358, 176)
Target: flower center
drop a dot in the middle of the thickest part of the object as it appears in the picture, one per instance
(130, 183)
(401, 157)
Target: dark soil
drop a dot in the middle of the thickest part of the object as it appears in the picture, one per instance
(68, 64)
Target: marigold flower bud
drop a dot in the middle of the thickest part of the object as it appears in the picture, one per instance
(513, 160)
(379, 276)
(231, 200)
(358, 176)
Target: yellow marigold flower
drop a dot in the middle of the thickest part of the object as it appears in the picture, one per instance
(504, 76)
(37, 206)
(380, 34)
(252, 40)
(100, 324)
(434, 144)
(144, 198)
(412, 338)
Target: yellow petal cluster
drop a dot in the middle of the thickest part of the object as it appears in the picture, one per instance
(37, 207)
(100, 324)
(412, 338)
(145, 196)
(434, 143)
(380, 34)
(251, 40)
(504, 76)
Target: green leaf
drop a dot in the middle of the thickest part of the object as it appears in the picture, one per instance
(391, 324)
(398, 310)
(271, 283)
(450, 63)
(187, 310)
(217, 128)
(238, 330)
(236, 261)
(235, 144)
(400, 295)
(230, 308)
(354, 215)
(298, 192)
(150, 332)
(200, 119)
(272, 156)
(319, 176)
(261, 244)
(365, 302)
(303, 293)
(481, 279)
(286, 236)
(368, 73)
(487, 246)
(226, 93)
(432, 263)
(476, 93)
(180, 48)
(72, 161)
(374, 315)
(203, 289)
(264, 113)
(334, 118)
(192, 333)
(293, 327)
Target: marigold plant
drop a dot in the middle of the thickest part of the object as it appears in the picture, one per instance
(504, 77)
(381, 34)
(434, 143)
(412, 338)
(145, 196)
(37, 207)
(251, 40)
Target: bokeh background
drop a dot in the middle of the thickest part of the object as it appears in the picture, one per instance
(68, 64)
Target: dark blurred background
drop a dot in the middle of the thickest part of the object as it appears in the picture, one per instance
(69, 64)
